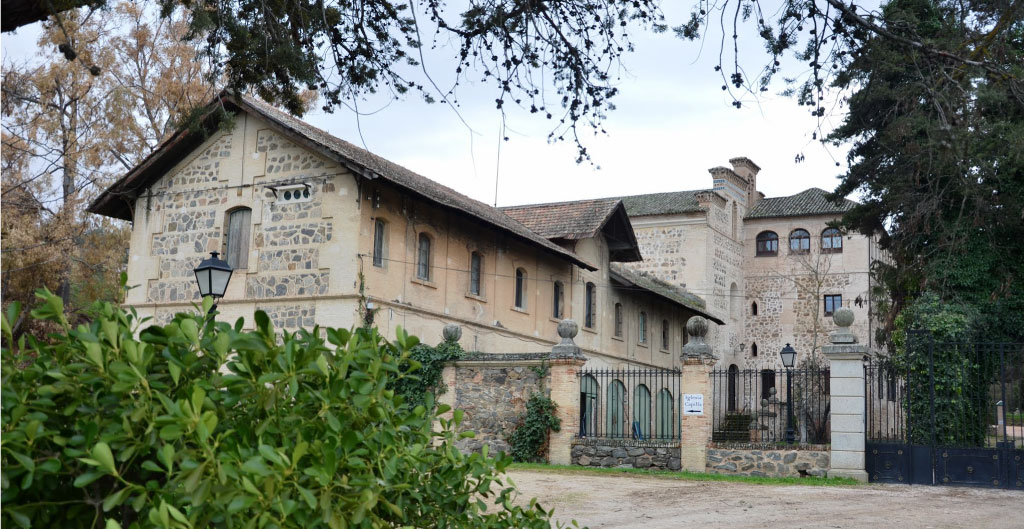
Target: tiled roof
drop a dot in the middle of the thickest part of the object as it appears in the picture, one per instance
(565, 220)
(809, 202)
(662, 203)
(358, 160)
(671, 292)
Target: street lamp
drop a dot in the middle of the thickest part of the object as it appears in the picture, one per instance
(788, 355)
(213, 275)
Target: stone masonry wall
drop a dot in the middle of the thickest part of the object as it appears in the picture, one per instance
(608, 453)
(770, 463)
(494, 402)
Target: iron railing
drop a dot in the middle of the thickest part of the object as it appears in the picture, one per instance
(635, 404)
(751, 406)
(885, 394)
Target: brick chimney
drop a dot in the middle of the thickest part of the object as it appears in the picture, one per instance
(747, 169)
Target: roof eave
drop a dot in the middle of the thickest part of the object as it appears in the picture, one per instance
(699, 311)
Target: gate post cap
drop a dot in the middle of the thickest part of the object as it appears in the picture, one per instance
(567, 330)
(843, 318)
(451, 332)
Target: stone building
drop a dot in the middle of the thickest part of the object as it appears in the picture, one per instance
(771, 268)
(319, 231)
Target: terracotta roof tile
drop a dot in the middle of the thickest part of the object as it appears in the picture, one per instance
(565, 220)
(661, 288)
(662, 203)
(808, 202)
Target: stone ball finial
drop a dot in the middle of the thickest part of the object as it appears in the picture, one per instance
(843, 316)
(697, 328)
(568, 329)
(451, 332)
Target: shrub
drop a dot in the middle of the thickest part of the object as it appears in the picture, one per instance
(201, 424)
(529, 442)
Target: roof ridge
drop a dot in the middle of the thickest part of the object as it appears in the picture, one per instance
(561, 203)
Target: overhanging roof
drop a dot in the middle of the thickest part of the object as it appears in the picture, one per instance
(582, 219)
(116, 201)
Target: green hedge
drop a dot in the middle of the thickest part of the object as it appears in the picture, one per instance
(201, 424)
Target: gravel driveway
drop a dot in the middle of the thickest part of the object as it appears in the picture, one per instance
(650, 502)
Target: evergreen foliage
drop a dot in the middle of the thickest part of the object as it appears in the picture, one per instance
(529, 442)
(422, 371)
(201, 424)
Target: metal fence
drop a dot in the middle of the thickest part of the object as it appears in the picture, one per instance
(636, 404)
(885, 393)
(752, 406)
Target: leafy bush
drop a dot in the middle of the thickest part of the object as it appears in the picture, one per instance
(529, 442)
(423, 370)
(200, 424)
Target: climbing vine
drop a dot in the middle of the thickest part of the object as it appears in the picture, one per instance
(426, 364)
(529, 442)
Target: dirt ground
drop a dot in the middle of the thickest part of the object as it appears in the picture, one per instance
(650, 502)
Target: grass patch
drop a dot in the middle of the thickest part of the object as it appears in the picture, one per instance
(687, 476)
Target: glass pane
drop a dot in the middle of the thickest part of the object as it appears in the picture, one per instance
(203, 279)
(219, 281)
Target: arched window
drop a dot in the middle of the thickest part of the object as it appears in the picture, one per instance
(476, 263)
(641, 412)
(590, 318)
(664, 416)
(733, 375)
(831, 241)
(767, 383)
(380, 233)
(618, 320)
(616, 409)
(520, 288)
(753, 349)
(767, 243)
(589, 391)
(799, 241)
(423, 257)
(642, 327)
(558, 301)
(236, 238)
(753, 308)
(664, 334)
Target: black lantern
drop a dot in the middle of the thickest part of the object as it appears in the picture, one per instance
(213, 275)
(788, 355)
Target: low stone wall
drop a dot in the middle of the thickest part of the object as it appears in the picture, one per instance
(768, 462)
(625, 454)
(493, 399)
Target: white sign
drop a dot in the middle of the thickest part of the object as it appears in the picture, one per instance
(693, 404)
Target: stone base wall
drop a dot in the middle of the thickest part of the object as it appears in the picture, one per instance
(613, 454)
(770, 463)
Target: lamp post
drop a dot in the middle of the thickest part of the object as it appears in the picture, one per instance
(213, 275)
(788, 355)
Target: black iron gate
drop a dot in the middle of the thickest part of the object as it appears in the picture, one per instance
(947, 414)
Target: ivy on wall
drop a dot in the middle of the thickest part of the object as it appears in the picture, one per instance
(425, 364)
(529, 442)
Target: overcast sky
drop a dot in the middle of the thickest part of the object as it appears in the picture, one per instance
(672, 123)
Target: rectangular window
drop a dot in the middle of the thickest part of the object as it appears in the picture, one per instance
(236, 240)
(618, 320)
(520, 288)
(643, 327)
(378, 243)
(664, 334)
(591, 306)
(558, 296)
(475, 262)
(832, 302)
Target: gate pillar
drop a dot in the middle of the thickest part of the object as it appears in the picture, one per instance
(697, 361)
(566, 361)
(846, 366)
